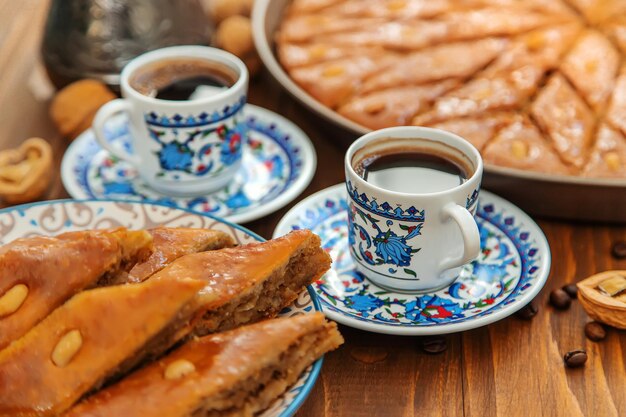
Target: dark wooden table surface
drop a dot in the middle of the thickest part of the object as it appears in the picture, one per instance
(510, 368)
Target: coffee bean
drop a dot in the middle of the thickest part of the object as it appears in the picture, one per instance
(595, 331)
(434, 345)
(619, 250)
(560, 299)
(528, 311)
(575, 358)
(571, 290)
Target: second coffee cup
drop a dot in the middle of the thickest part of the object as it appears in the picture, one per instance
(182, 143)
(412, 192)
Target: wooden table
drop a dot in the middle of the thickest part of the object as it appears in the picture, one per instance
(510, 368)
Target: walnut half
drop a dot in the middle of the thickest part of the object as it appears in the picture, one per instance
(25, 171)
(603, 296)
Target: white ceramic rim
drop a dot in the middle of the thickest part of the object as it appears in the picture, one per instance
(264, 48)
(415, 134)
(299, 138)
(289, 218)
(186, 51)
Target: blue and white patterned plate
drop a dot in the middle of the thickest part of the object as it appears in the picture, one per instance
(278, 164)
(511, 269)
(54, 217)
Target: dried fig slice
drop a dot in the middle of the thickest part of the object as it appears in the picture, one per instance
(597, 301)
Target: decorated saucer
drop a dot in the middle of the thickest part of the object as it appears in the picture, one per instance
(511, 269)
(278, 164)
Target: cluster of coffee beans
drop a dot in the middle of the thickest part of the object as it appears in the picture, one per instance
(561, 298)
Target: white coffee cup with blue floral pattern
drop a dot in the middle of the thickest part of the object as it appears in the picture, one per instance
(182, 147)
(413, 241)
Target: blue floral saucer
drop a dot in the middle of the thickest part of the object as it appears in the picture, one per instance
(278, 164)
(511, 269)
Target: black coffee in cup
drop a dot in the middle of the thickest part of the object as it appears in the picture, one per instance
(179, 78)
(410, 169)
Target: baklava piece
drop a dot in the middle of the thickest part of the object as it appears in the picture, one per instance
(250, 282)
(570, 127)
(394, 106)
(592, 66)
(616, 114)
(293, 55)
(39, 274)
(236, 373)
(333, 82)
(172, 243)
(509, 81)
(455, 60)
(608, 156)
(477, 130)
(98, 334)
(520, 145)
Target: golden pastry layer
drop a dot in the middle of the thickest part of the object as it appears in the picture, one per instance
(538, 85)
(172, 243)
(250, 282)
(70, 339)
(46, 271)
(96, 335)
(236, 373)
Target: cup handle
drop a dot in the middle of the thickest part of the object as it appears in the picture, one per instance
(469, 231)
(104, 113)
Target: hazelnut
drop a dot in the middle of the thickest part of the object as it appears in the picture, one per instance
(73, 108)
(67, 347)
(220, 10)
(483, 93)
(317, 51)
(178, 369)
(535, 41)
(333, 71)
(612, 161)
(235, 36)
(519, 149)
(591, 66)
(13, 299)
(395, 5)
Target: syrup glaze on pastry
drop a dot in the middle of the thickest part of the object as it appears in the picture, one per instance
(97, 334)
(555, 63)
(48, 268)
(236, 373)
(172, 243)
(250, 282)
(100, 335)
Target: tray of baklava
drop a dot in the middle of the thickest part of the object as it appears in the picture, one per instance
(538, 86)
